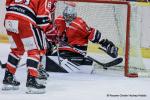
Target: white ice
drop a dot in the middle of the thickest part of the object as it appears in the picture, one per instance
(106, 85)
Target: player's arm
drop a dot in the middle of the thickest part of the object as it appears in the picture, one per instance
(45, 9)
(107, 45)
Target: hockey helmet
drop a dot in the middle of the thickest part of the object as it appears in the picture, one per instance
(69, 13)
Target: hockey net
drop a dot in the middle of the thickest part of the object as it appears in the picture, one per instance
(118, 22)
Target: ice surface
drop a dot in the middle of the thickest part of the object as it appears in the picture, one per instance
(105, 85)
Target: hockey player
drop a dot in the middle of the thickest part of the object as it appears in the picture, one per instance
(76, 32)
(43, 75)
(26, 21)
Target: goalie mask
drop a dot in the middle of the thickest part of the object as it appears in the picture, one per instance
(69, 14)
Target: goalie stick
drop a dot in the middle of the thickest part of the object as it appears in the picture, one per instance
(105, 65)
(108, 64)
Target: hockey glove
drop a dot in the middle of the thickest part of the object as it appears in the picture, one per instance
(109, 48)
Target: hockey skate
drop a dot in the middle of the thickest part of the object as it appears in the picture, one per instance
(33, 87)
(43, 75)
(9, 82)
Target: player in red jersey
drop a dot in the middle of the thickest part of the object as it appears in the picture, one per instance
(75, 31)
(26, 21)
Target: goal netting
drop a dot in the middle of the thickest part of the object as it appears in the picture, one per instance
(118, 22)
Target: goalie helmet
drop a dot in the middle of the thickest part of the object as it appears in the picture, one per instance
(69, 13)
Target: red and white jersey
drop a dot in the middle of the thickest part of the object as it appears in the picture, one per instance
(77, 32)
(37, 12)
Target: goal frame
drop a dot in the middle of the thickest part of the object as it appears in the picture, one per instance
(127, 45)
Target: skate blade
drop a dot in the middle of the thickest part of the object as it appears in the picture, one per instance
(9, 87)
(41, 81)
(35, 91)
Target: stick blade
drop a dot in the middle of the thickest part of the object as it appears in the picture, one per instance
(114, 62)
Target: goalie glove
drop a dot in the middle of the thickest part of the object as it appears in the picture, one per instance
(109, 48)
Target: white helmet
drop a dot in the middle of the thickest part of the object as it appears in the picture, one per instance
(69, 13)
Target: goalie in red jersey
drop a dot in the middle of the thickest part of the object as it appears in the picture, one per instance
(74, 30)
(26, 22)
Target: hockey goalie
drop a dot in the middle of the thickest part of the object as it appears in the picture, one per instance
(74, 35)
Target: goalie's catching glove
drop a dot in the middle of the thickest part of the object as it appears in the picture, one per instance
(109, 48)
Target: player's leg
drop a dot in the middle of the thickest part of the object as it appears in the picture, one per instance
(47, 47)
(43, 75)
(32, 63)
(41, 40)
(9, 81)
(33, 45)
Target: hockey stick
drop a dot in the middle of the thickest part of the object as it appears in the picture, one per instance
(21, 65)
(105, 65)
(4, 65)
(108, 64)
(57, 46)
(66, 65)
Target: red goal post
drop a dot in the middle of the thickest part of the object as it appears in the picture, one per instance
(127, 28)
